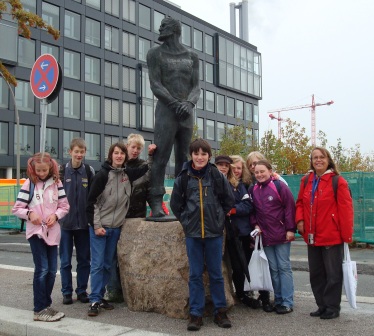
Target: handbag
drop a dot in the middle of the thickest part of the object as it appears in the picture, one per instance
(259, 268)
(349, 277)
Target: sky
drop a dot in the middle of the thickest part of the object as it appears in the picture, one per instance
(320, 47)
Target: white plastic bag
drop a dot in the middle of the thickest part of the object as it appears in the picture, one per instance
(259, 268)
(349, 277)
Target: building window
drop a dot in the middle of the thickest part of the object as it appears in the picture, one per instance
(239, 109)
(112, 39)
(255, 113)
(66, 140)
(128, 43)
(201, 69)
(230, 108)
(144, 46)
(111, 111)
(94, 4)
(52, 108)
(220, 130)
(72, 25)
(93, 147)
(220, 104)
(72, 104)
(210, 131)
(24, 96)
(209, 44)
(92, 69)
(144, 17)
(157, 19)
(4, 138)
(111, 75)
(129, 10)
(26, 52)
(248, 112)
(4, 94)
(200, 127)
(198, 39)
(51, 142)
(51, 15)
(29, 5)
(209, 101)
(208, 72)
(112, 7)
(92, 108)
(27, 140)
(72, 64)
(129, 115)
(49, 49)
(129, 79)
(200, 102)
(148, 102)
(109, 141)
(186, 35)
(92, 35)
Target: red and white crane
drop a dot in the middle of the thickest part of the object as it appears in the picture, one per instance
(313, 115)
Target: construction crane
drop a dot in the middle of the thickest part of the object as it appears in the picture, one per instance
(272, 117)
(313, 115)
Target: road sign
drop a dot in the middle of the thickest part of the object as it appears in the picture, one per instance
(44, 76)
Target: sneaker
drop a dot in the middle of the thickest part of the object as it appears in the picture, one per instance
(46, 315)
(221, 319)
(55, 312)
(94, 309)
(284, 310)
(83, 297)
(195, 323)
(68, 299)
(106, 305)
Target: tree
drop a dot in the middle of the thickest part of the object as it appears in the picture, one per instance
(25, 20)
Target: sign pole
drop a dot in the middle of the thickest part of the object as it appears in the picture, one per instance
(43, 124)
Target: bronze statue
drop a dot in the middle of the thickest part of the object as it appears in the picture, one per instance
(174, 80)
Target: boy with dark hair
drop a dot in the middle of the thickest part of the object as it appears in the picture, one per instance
(76, 178)
(200, 200)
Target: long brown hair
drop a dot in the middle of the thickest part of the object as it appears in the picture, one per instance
(42, 158)
(246, 176)
(122, 147)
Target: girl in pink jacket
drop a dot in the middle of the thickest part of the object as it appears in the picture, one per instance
(42, 202)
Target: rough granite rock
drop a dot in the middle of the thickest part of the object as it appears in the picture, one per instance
(154, 268)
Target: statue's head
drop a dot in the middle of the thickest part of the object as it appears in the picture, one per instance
(169, 27)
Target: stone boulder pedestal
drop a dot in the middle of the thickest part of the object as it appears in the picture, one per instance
(154, 269)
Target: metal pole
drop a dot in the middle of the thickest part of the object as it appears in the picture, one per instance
(43, 124)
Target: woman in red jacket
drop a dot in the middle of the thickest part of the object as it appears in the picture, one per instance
(325, 219)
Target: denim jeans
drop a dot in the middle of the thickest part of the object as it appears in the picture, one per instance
(81, 240)
(103, 249)
(210, 251)
(281, 273)
(114, 284)
(45, 260)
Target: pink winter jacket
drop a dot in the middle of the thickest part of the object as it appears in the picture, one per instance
(49, 198)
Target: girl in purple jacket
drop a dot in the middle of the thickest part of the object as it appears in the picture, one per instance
(275, 218)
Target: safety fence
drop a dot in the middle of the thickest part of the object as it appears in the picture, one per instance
(361, 184)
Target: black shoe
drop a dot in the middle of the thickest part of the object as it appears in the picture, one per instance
(83, 297)
(267, 307)
(221, 319)
(94, 309)
(68, 299)
(328, 315)
(195, 323)
(106, 305)
(317, 313)
(284, 310)
(250, 302)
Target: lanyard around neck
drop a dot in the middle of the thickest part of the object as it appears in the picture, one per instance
(314, 188)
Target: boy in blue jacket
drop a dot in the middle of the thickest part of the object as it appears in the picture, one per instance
(200, 200)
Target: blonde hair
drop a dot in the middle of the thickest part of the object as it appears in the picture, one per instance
(136, 139)
(42, 158)
(246, 176)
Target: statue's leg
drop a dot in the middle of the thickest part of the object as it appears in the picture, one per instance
(165, 129)
(182, 143)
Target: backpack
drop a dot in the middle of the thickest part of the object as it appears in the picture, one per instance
(277, 184)
(88, 173)
(31, 195)
(335, 181)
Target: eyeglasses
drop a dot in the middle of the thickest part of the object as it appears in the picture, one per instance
(315, 158)
(254, 163)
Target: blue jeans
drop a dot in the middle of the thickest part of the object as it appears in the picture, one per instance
(210, 251)
(281, 273)
(103, 249)
(114, 284)
(45, 260)
(81, 240)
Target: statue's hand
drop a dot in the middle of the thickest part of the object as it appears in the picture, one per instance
(184, 110)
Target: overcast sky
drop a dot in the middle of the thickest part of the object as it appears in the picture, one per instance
(320, 47)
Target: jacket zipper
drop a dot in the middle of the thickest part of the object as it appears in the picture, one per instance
(201, 209)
